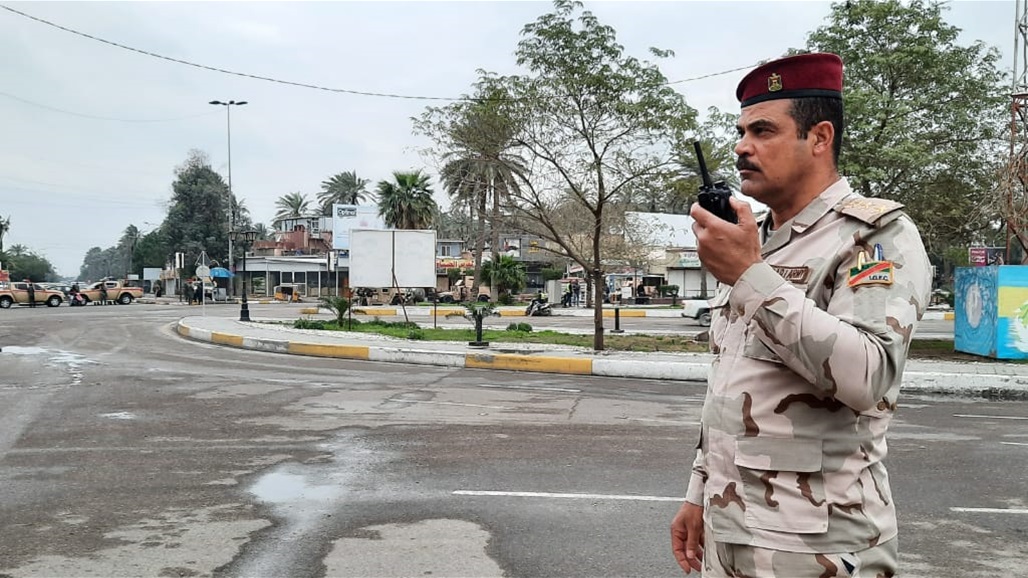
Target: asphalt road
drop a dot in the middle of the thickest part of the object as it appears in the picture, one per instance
(127, 451)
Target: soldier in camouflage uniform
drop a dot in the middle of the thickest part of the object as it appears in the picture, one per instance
(811, 330)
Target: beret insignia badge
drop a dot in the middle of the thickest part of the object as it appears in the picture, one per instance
(774, 83)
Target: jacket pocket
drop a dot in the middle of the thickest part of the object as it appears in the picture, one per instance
(783, 484)
(719, 314)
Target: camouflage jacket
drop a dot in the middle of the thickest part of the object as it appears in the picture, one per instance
(810, 346)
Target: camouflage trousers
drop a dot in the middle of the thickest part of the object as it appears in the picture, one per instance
(738, 561)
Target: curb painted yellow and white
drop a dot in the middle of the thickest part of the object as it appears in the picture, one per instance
(572, 365)
(1003, 381)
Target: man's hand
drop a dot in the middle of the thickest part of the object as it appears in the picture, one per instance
(687, 536)
(726, 249)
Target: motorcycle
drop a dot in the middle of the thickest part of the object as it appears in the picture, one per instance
(76, 300)
(538, 308)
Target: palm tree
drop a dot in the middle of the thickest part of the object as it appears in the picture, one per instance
(345, 188)
(480, 169)
(292, 206)
(407, 203)
(506, 275)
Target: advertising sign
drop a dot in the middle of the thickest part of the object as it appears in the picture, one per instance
(985, 256)
(347, 217)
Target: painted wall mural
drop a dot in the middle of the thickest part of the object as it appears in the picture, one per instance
(991, 316)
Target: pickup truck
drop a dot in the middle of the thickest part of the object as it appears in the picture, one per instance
(117, 291)
(17, 293)
(698, 309)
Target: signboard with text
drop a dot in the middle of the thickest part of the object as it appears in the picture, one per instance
(347, 217)
(985, 256)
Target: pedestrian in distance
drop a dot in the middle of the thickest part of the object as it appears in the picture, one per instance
(32, 292)
(810, 331)
(576, 293)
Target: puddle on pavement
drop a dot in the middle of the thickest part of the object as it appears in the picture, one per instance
(283, 488)
(71, 362)
(304, 497)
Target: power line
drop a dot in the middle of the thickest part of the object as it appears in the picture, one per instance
(289, 82)
(78, 114)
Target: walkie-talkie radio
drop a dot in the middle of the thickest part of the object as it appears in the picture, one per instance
(714, 196)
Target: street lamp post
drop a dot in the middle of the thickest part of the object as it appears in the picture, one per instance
(231, 209)
(246, 238)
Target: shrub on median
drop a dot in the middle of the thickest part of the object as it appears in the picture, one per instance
(308, 323)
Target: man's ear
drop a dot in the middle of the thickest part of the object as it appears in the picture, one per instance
(822, 135)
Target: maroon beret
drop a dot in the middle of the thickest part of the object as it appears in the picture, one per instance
(801, 76)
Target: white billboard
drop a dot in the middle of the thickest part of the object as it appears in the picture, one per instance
(661, 229)
(376, 255)
(348, 217)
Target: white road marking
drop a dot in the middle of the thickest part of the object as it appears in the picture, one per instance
(451, 403)
(992, 510)
(530, 388)
(676, 422)
(1013, 444)
(568, 496)
(989, 416)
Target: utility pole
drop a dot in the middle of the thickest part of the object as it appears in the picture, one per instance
(231, 198)
(1019, 114)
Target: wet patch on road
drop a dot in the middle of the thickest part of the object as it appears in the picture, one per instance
(437, 547)
(176, 542)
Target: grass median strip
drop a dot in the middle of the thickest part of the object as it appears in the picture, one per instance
(412, 331)
(940, 349)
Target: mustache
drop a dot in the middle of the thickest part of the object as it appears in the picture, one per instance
(743, 164)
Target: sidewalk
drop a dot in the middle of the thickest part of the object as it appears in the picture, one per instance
(984, 379)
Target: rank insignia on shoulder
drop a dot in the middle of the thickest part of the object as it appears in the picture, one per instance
(868, 272)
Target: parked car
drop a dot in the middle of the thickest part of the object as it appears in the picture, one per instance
(17, 293)
(698, 309)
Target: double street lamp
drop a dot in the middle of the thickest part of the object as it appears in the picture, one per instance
(245, 238)
(231, 204)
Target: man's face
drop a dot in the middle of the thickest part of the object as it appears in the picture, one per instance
(771, 158)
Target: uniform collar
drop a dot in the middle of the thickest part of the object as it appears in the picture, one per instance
(806, 218)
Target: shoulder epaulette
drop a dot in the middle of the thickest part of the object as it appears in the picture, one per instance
(867, 209)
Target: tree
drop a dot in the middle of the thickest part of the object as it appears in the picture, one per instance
(407, 203)
(292, 206)
(505, 275)
(346, 188)
(24, 263)
(478, 171)
(198, 212)
(925, 115)
(593, 123)
(151, 250)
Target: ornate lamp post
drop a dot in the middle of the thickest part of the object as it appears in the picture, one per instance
(245, 238)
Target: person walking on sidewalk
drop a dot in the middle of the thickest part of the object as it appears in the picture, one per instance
(810, 333)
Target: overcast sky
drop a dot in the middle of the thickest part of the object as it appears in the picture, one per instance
(69, 182)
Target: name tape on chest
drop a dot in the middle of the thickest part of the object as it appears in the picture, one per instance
(876, 271)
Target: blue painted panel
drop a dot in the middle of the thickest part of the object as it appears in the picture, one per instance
(1013, 276)
(975, 310)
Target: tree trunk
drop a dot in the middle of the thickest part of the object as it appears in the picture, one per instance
(597, 285)
(494, 228)
(479, 242)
